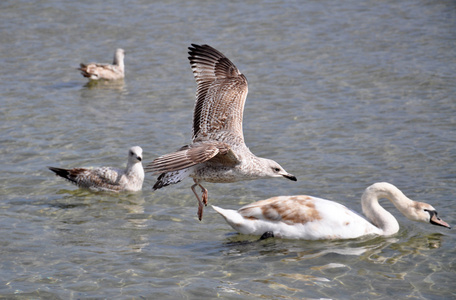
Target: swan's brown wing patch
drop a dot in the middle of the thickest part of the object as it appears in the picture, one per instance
(288, 209)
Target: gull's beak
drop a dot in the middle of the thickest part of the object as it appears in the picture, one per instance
(435, 220)
(139, 158)
(291, 177)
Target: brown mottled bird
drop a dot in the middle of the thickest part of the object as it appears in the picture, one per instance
(107, 178)
(218, 152)
(95, 71)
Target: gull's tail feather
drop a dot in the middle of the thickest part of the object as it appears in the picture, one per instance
(63, 173)
(83, 69)
(166, 179)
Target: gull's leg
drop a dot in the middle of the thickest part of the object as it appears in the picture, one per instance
(200, 203)
(204, 195)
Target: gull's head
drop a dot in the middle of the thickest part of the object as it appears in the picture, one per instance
(273, 169)
(119, 56)
(135, 155)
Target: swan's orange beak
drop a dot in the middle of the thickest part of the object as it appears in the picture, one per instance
(437, 221)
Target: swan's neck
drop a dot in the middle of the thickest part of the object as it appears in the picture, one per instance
(381, 218)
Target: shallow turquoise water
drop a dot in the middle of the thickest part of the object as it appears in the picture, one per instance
(340, 94)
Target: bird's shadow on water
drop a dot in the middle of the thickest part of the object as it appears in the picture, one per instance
(325, 264)
(376, 249)
(238, 244)
(118, 85)
(80, 198)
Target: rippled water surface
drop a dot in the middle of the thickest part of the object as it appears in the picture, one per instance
(342, 94)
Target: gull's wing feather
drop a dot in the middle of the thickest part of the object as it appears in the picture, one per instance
(191, 155)
(220, 96)
(104, 178)
(101, 71)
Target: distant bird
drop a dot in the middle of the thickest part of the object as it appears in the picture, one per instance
(107, 178)
(311, 218)
(218, 152)
(95, 71)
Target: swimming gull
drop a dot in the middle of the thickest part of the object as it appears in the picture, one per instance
(312, 218)
(218, 152)
(108, 178)
(95, 71)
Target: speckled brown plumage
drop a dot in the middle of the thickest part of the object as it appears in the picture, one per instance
(218, 152)
(107, 178)
(114, 71)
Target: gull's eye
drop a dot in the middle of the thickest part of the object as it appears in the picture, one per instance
(276, 169)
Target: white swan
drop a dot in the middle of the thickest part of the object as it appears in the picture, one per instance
(311, 218)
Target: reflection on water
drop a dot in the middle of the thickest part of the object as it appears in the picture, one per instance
(404, 250)
(330, 264)
(77, 209)
(137, 220)
(118, 85)
(373, 249)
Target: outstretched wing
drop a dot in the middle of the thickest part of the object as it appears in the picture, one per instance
(220, 95)
(191, 155)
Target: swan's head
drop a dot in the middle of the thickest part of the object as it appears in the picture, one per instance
(271, 168)
(135, 155)
(413, 210)
(424, 212)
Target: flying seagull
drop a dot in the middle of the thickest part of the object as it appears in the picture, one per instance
(108, 178)
(95, 71)
(218, 152)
